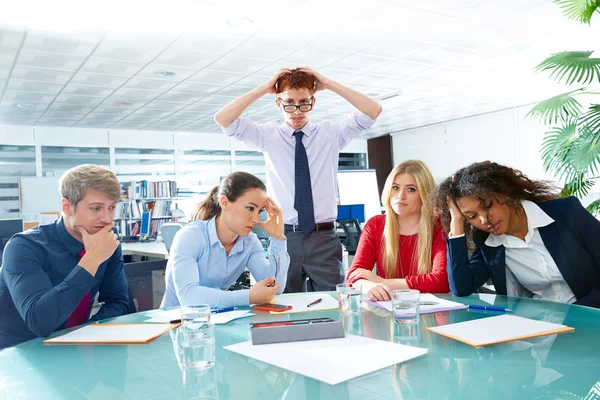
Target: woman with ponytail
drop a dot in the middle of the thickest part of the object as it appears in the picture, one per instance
(211, 252)
(407, 244)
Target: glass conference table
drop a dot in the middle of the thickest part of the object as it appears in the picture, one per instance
(565, 366)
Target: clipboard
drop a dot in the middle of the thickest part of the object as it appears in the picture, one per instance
(112, 334)
(499, 329)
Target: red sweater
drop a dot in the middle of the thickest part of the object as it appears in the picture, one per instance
(371, 250)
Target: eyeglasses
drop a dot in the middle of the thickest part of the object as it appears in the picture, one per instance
(291, 108)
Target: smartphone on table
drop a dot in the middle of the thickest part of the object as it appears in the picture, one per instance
(272, 307)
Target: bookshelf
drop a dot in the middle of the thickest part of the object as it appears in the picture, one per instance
(138, 197)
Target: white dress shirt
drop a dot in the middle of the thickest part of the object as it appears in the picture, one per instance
(323, 142)
(529, 265)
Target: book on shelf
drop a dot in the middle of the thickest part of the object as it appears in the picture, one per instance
(145, 189)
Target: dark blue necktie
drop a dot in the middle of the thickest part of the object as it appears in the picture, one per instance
(303, 200)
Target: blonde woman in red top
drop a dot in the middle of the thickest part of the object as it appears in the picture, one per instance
(407, 245)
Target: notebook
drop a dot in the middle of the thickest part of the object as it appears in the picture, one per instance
(113, 334)
(498, 329)
(300, 302)
(441, 304)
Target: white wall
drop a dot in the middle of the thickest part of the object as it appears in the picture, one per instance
(503, 136)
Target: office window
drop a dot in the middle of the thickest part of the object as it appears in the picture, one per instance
(201, 170)
(15, 161)
(58, 159)
(144, 164)
(252, 162)
(352, 161)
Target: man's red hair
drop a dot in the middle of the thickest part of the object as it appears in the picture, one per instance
(296, 80)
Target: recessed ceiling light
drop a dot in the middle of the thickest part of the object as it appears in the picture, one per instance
(24, 105)
(122, 103)
(166, 73)
(239, 22)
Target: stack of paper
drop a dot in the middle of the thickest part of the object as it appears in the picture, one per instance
(333, 360)
(440, 304)
(217, 319)
(300, 302)
(500, 329)
(113, 334)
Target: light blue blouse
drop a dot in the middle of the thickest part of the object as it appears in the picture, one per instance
(199, 271)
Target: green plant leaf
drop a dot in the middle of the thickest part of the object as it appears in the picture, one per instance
(579, 187)
(594, 207)
(591, 118)
(579, 10)
(556, 147)
(572, 66)
(557, 108)
(584, 153)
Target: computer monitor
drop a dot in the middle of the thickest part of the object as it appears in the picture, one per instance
(8, 228)
(358, 211)
(343, 212)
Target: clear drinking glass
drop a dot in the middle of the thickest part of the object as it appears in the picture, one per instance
(349, 297)
(405, 306)
(197, 337)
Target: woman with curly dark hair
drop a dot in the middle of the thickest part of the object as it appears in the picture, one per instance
(528, 241)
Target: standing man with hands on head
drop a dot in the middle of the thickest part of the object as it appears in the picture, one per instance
(302, 161)
(51, 273)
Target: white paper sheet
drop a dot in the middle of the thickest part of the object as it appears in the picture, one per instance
(217, 319)
(300, 302)
(333, 360)
(488, 298)
(442, 305)
(498, 329)
(107, 333)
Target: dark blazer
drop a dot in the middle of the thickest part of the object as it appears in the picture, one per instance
(573, 241)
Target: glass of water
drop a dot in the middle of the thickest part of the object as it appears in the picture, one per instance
(197, 337)
(349, 297)
(405, 306)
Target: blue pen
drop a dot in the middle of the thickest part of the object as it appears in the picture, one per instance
(490, 308)
(221, 310)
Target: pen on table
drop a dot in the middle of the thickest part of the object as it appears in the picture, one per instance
(221, 310)
(315, 302)
(428, 303)
(490, 308)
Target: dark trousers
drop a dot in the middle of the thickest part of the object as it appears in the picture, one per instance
(317, 257)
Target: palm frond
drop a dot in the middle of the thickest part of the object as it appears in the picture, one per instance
(584, 155)
(594, 207)
(591, 118)
(579, 10)
(579, 187)
(557, 108)
(572, 66)
(556, 147)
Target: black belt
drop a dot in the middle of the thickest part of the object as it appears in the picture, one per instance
(323, 226)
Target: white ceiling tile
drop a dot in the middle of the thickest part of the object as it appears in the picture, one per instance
(101, 80)
(240, 65)
(401, 68)
(111, 110)
(434, 5)
(94, 91)
(213, 77)
(80, 44)
(28, 97)
(149, 84)
(7, 55)
(81, 100)
(43, 59)
(313, 56)
(9, 104)
(438, 55)
(4, 71)
(182, 58)
(204, 109)
(94, 124)
(125, 102)
(72, 108)
(165, 105)
(196, 88)
(152, 72)
(336, 74)
(40, 74)
(267, 49)
(216, 43)
(107, 66)
(361, 63)
(216, 99)
(253, 80)
(149, 113)
(485, 9)
(10, 38)
(367, 80)
(133, 94)
(181, 97)
(127, 51)
(234, 91)
(57, 114)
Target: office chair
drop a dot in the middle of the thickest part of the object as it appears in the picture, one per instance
(146, 284)
(168, 231)
(352, 230)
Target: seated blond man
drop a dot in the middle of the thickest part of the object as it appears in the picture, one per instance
(50, 274)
